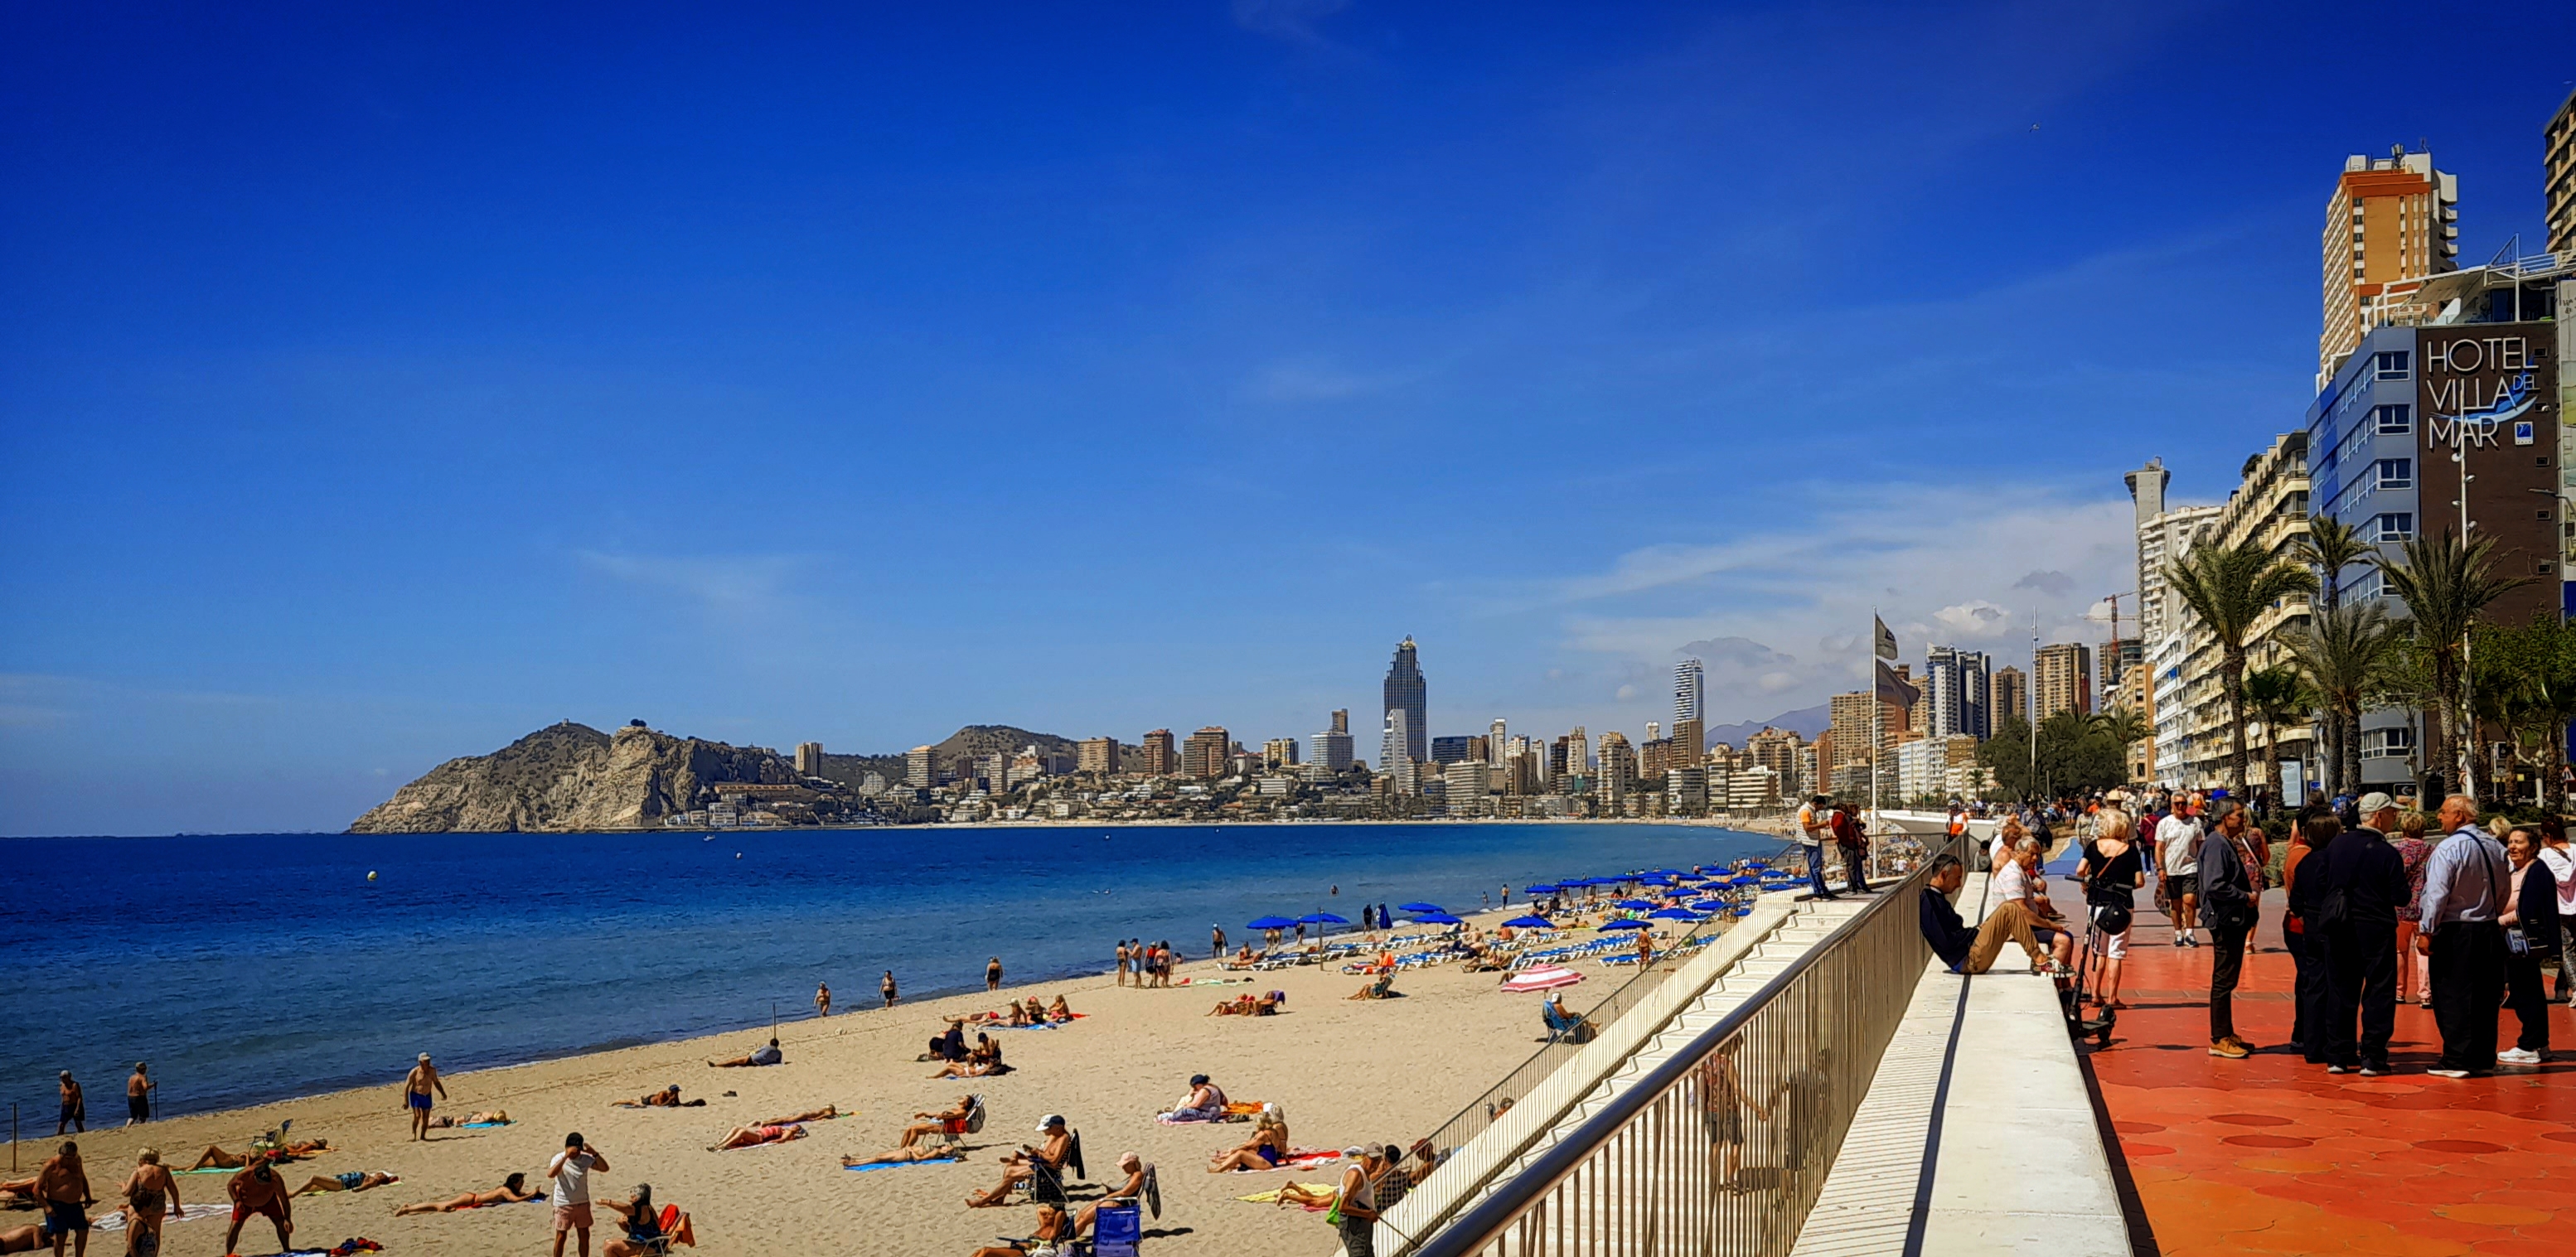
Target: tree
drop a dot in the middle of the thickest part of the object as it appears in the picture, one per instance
(2229, 587)
(2447, 584)
(2077, 754)
(2345, 654)
(2526, 682)
(2277, 696)
(2329, 546)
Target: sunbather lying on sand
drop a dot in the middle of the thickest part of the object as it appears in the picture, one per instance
(1052, 1231)
(950, 1121)
(1245, 1005)
(983, 1059)
(353, 1181)
(513, 1190)
(666, 1098)
(906, 1155)
(1264, 1151)
(755, 1136)
(496, 1117)
(823, 1114)
(1296, 1194)
(26, 1239)
(769, 1055)
(215, 1158)
(18, 1188)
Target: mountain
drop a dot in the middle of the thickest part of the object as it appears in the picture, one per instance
(572, 777)
(1806, 722)
(952, 754)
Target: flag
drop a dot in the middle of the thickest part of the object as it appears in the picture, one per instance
(1893, 688)
(1886, 639)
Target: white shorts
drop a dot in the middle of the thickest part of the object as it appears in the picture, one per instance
(2113, 946)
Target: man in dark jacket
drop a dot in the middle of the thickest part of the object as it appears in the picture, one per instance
(2321, 832)
(2227, 890)
(2365, 879)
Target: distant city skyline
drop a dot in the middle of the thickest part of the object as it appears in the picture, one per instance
(383, 397)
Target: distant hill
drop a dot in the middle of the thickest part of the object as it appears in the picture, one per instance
(571, 777)
(952, 754)
(1806, 722)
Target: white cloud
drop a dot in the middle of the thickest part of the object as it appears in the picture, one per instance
(737, 583)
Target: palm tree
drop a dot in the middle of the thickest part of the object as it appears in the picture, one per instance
(2526, 681)
(2447, 584)
(2277, 696)
(2229, 587)
(2329, 546)
(2344, 653)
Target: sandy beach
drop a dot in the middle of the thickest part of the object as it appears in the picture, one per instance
(1345, 1071)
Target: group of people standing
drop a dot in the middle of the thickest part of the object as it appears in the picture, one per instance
(1822, 820)
(1150, 964)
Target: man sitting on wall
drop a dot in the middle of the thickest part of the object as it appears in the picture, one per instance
(1974, 951)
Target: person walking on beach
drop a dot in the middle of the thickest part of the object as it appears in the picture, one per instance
(417, 1086)
(2359, 933)
(2464, 890)
(887, 986)
(62, 1188)
(138, 1095)
(570, 1171)
(75, 1117)
(822, 999)
(2228, 889)
(257, 1191)
(993, 974)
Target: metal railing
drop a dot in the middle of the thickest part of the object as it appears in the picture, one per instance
(1723, 1147)
(1498, 1099)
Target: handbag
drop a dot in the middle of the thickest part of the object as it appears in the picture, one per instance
(2336, 912)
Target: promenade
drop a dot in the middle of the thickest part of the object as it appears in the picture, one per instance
(2271, 1154)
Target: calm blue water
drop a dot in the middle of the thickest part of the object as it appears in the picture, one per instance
(258, 967)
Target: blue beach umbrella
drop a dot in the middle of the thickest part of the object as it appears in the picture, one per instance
(1622, 925)
(1434, 918)
(1706, 905)
(1531, 923)
(1674, 914)
(1419, 907)
(1543, 888)
(1272, 923)
(1639, 905)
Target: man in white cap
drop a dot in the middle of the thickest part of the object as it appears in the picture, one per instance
(417, 1086)
(1356, 1203)
(1019, 1166)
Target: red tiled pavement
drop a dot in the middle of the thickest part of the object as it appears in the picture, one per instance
(2273, 1155)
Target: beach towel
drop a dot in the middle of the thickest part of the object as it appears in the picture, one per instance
(1271, 1197)
(1298, 1159)
(898, 1165)
(479, 1125)
(187, 1213)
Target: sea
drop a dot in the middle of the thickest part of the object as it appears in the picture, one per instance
(256, 967)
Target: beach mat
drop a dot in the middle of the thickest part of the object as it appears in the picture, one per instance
(187, 1213)
(1271, 1197)
(899, 1165)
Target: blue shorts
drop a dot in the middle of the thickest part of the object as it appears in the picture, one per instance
(420, 1100)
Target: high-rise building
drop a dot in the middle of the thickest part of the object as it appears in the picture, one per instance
(2164, 534)
(1955, 694)
(1457, 748)
(2062, 680)
(1777, 750)
(2558, 179)
(1393, 758)
(1578, 753)
(1097, 755)
(1333, 746)
(1686, 791)
(2117, 659)
(1618, 767)
(918, 770)
(2390, 219)
(1204, 755)
(1497, 747)
(809, 759)
(1690, 711)
(2012, 695)
(1279, 753)
(1157, 758)
(1406, 692)
(1465, 784)
(993, 772)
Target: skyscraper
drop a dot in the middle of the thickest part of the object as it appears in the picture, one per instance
(1405, 692)
(2391, 219)
(1279, 753)
(1204, 755)
(1333, 746)
(2558, 183)
(918, 770)
(1394, 759)
(1156, 757)
(1690, 715)
(1097, 755)
(809, 759)
(1496, 745)
(2062, 680)
(1955, 698)
(2012, 695)
(1618, 767)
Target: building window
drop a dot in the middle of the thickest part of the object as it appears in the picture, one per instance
(2397, 526)
(2387, 743)
(2391, 364)
(2396, 420)
(2396, 473)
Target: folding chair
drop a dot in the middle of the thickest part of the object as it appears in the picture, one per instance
(952, 1135)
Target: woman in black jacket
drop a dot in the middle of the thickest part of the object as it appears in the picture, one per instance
(2534, 899)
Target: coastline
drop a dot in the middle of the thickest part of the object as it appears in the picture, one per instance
(1345, 1071)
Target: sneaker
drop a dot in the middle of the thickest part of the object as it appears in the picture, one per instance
(2517, 1056)
(2448, 1073)
(2373, 1071)
(2337, 1069)
(2230, 1049)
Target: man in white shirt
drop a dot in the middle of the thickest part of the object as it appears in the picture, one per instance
(1815, 824)
(2562, 865)
(2178, 839)
(570, 1171)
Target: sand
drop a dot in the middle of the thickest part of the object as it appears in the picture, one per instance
(1346, 1072)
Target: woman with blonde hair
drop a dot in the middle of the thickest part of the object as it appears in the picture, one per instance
(2110, 872)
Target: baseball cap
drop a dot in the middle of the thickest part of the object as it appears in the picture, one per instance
(1052, 1120)
(1355, 1151)
(2375, 801)
(424, 1058)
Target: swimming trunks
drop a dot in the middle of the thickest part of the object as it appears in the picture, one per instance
(138, 1108)
(273, 1207)
(66, 1216)
(419, 1100)
(350, 1180)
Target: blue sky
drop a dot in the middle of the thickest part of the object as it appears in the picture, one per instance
(381, 385)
